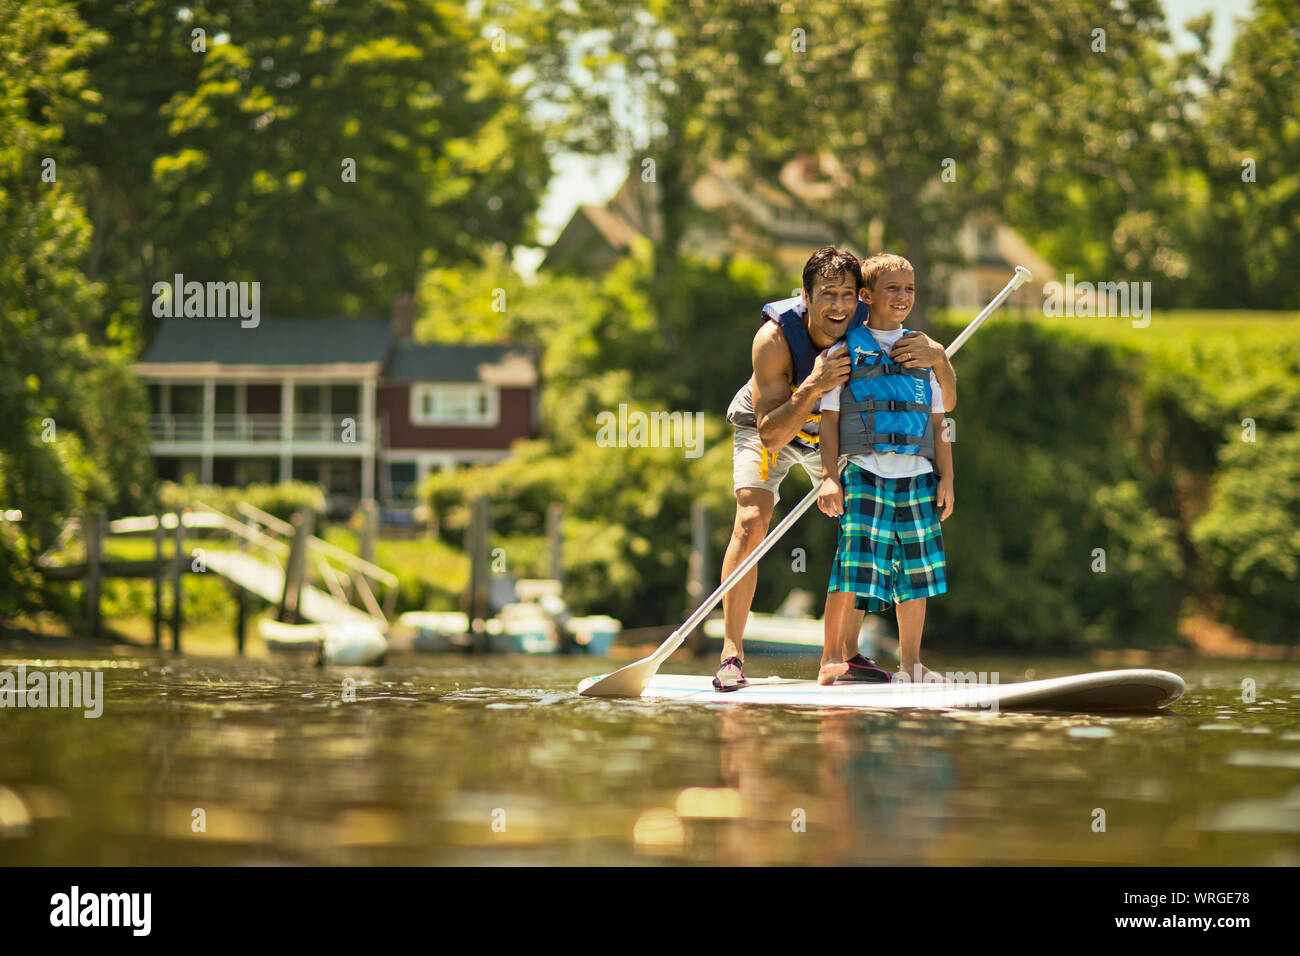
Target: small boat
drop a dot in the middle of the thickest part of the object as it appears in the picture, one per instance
(536, 622)
(791, 631)
(539, 622)
(525, 629)
(595, 633)
(432, 632)
(352, 644)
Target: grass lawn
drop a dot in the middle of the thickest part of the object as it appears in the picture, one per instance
(431, 575)
(1166, 327)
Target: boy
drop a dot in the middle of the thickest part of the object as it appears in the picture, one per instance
(888, 419)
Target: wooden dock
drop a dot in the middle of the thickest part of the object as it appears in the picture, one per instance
(279, 562)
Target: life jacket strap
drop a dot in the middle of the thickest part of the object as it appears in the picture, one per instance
(807, 436)
(887, 368)
(850, 404)
(895, 438)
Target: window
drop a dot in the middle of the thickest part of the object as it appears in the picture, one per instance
(223, 399)
(454, 405)
(402, 478)
(187, 399)
(345, 400)
(308, 399)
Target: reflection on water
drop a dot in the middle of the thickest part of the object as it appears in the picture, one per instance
(443, 760)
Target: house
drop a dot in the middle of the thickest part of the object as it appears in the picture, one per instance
(742, 213)
(353, 404)
(991, 250)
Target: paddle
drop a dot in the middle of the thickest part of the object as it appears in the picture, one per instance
(631, 680)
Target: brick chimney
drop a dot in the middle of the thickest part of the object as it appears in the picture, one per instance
(403, 316)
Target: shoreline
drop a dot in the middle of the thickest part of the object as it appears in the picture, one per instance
(214, 640)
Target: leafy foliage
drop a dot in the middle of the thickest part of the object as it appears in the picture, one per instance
(73, 415)
(1250, 537)
(244, 144)
(281, 499)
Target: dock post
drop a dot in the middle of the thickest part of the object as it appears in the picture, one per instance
(555, 535)
(291, 600)
(369, 529)
(241, 622)
(697, 585)
(178, 574)
(94, 527)
(478, 599)
(159, 538)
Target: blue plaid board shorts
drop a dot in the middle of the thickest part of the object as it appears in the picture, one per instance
(890, 546)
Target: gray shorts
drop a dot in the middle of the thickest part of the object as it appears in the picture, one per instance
(753, 467)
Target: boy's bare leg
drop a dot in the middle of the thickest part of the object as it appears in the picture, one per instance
(839, 608)
(753, 514)
(852, 628)
(911, 622)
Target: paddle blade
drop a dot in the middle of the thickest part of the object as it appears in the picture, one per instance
(627, 681)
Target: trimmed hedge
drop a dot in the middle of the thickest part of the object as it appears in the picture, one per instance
(281, 500)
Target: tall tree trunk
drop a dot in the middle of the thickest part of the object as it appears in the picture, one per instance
(905, 222)
(674, 194)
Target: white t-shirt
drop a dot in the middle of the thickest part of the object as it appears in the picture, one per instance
(887, 464)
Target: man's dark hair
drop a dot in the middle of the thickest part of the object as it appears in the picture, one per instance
(829, 261)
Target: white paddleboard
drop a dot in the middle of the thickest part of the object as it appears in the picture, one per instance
(1122, 690)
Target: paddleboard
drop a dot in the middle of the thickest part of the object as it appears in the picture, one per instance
(1120, 690)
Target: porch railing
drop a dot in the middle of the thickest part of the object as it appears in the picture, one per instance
(257, 429)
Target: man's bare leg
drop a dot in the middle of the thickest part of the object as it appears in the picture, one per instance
(753, 514)
(839, 609)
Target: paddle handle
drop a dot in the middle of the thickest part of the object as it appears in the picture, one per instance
(1022, 276)
(745, 566)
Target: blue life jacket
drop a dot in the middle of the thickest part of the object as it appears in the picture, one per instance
(791, 316)
(884, 406)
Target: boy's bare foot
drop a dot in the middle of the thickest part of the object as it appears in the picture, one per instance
(831, 670)
(918, 673)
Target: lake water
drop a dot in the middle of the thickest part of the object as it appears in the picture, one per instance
(478, 760)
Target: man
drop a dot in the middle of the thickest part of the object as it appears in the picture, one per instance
(776, 417)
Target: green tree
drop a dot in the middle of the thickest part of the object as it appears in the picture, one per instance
(585, 328)
(233, 161)
(1252, 156)
(665, 85)
(74, 417)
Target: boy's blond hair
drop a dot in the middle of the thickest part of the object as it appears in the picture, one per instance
(881, 262)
